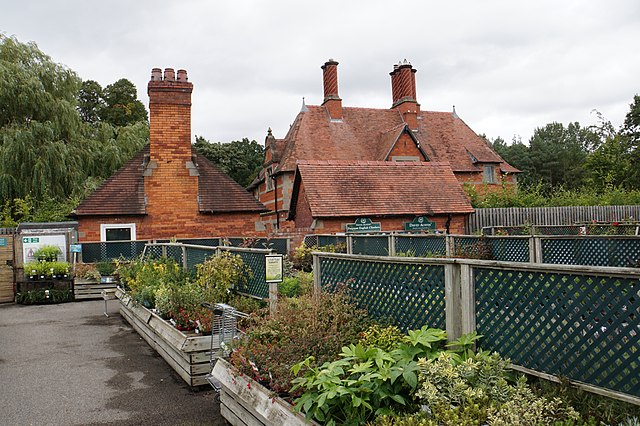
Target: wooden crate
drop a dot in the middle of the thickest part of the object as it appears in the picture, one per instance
(188, 355)
(90, 289)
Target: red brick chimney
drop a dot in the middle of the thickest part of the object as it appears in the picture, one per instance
(403, 92)
(171, 177)
(332, 101)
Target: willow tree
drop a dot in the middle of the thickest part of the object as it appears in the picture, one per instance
(47, 150)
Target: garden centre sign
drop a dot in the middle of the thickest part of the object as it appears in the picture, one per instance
(32, 243)
(364, 225)
(420, 223)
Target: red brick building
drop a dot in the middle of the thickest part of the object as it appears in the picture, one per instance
(167, 190)
(329, 195)
(402, 133)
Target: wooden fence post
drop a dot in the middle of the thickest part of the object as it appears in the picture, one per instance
(392, 245)
(449, 245)
(538, 249)
(273, 298)
(316, 274)
(467, 299)
(184, 258)
(349, 244)
(452, 296)
(532, 249)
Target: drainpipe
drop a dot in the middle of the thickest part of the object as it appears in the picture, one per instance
(275, 200)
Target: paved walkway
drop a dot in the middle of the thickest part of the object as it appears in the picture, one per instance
(68, 364)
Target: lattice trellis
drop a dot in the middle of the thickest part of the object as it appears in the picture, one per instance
(196, 256)
(256, 280)
(421, 246)
(331, 240)
(580, 327)
(210, 242)
(509, 249)
(371, 245)
(407, 295)
(591, 251)
(472, 248)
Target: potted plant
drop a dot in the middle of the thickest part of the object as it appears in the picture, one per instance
(47, 253)
(106, 270)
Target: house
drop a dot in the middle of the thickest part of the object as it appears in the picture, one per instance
(167, 190)
(332, 195)
(402, 133)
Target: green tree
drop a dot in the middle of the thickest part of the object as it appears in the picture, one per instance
(121, 104)
(90, 101)
(241, 160)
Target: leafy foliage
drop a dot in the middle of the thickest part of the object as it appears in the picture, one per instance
(320, 324)
(54, 147)
(241, 160)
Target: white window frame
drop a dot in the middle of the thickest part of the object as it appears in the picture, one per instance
(405, 158)
(489, 177)
(105, 226)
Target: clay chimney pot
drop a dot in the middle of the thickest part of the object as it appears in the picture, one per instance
(169, 74)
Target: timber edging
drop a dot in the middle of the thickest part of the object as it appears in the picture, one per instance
(189, 356)
(243, 401)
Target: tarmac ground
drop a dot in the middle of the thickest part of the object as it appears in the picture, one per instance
(69, 364)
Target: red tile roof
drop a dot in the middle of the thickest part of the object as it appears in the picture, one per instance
(123, 193)
(379, 188)
(368, 134)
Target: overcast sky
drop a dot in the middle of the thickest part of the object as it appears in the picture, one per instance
(508, 66)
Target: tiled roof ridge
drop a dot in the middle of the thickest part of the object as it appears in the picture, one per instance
(373, 163)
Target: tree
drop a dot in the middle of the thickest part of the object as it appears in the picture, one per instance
(121, 104)
(241, 160)
(90, 101)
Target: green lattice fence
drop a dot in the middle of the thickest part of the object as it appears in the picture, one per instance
(109, 250)
(405, 294)
(468, 247)
(372, 245)
(421, 246)
(510, 249)
(256, 280)
(585, 328)
(210, 242)
(596, 251)
(279, 245)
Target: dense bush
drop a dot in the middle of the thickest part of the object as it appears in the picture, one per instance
(295, 285)
(311, 324)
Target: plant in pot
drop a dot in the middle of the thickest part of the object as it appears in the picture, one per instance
(106, 271)
(87, 271)
(47, 253)
(60, 270)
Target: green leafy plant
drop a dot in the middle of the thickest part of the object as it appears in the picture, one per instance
(105, 268)
(385, 338)
(87, 271)
(47, 253)
(317, 324)
(296, 285)
(219, 274)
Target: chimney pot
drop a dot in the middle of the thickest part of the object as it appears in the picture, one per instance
(169, 74)
(182, 75)
(156, 74)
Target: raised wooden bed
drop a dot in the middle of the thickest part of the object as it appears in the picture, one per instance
(188, 354)
(90, 289)
(244, 401)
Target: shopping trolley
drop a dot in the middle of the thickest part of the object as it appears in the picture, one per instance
(224, 329)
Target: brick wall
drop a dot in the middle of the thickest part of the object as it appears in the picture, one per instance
(405, 147)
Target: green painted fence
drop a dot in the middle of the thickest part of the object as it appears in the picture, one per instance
(576, 322)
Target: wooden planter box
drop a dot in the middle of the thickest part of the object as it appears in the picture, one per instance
(244, 401)
(90, 289)
(188, 355)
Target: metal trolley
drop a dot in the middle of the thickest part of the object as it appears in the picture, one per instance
(224, 329)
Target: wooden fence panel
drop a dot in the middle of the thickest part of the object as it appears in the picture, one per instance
(519, 216)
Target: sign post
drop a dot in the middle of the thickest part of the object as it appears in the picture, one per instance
(273, 268)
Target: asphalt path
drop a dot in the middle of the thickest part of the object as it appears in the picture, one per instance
(68, 364)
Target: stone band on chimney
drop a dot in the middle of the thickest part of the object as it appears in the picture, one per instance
(403, 92)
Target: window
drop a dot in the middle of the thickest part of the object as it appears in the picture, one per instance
(118, 232)
(403, 158)
(489, 174)
(269, 179)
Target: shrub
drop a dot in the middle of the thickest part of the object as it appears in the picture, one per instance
(293, 286)
(105, 268)
(319, 324)
(87, 271)
(48, 253)
(217, 275)
(385, 338)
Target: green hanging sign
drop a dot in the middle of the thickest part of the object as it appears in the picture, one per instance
(420, 223)
(363, 224)
(3, 242)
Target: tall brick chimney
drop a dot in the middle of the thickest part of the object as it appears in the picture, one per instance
(171, 177)
(403, 92)
(332, 101)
